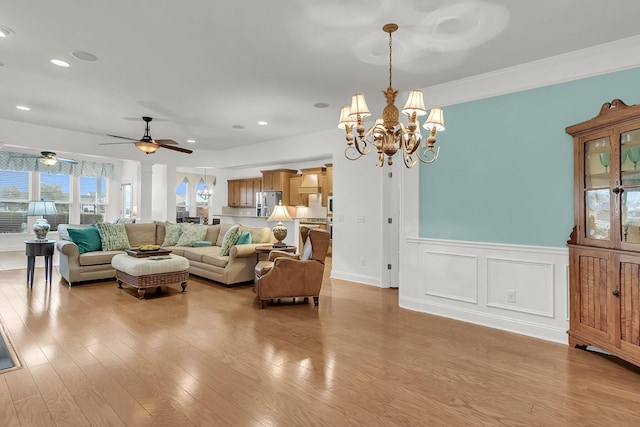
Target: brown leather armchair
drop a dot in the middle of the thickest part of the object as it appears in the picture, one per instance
(286, 275)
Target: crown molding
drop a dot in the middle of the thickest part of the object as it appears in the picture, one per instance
(597, 60)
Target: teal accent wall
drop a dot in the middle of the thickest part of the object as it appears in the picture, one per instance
(505, 171)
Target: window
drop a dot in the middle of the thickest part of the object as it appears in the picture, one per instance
(14, 199)
(93, 199)
(55, 188)
(182, 200)
(202, 205)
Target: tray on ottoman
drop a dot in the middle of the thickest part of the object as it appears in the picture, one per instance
(138, 253)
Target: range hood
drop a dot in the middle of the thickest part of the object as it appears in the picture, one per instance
(310, 184)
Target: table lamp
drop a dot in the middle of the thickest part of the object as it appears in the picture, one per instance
(280, 214)
(41, 208)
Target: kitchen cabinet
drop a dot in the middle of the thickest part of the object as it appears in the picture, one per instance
(278, 180)
(242, 192)
(295, 197)
(604, 247)
(327, 183)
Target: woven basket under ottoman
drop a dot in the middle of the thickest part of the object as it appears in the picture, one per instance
(152, 272)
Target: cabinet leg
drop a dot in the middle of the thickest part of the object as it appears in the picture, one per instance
(184, 286)
(141, 292)
(577, 343)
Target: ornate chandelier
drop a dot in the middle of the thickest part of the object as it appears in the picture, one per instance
(387, 134)
(205, 192)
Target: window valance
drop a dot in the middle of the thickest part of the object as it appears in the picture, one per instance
(18, 162)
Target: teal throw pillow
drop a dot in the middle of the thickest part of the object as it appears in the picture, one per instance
(202, 243)
(172, 234)
(113, 236)
(244, 238)
(87, 239)
(191, 233)
(230, 238)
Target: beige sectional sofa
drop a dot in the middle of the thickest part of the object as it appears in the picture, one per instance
(204, 261)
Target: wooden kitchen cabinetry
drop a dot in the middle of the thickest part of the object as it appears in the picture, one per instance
(604, 248)
(327, 184)
(295, 197)
(242, 192)
(278, 180)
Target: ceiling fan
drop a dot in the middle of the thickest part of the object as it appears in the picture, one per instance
(49, 158)
(148, 144)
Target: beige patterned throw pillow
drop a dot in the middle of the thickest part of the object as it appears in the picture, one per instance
(172, 234)
(113, 236)
(230, 238)
(190, 233)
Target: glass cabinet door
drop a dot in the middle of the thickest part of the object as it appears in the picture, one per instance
(597, 197)
(630, 189)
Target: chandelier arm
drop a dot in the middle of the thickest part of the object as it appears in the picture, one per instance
(351, 153)
(430, 155)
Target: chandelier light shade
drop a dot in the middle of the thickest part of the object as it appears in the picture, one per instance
(49, 161)
(205, 192)
(41, 208)
(388, 135)
(280, 214)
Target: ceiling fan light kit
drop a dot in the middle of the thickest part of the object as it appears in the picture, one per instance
(149, 145)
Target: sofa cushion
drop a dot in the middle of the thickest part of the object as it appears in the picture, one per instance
(87, 239)
(244, 238)
(141, 234)
(97, 258)
(230, 239)
(201, 243)
(171, 234)
(213, 231)
(213, 257)
(189, 233)
(113, 236)
(260, 234)
(63, 230)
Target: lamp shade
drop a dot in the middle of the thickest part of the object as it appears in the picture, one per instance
(415, 103)
(49, 161)
(147, 147)
(280, 214)
(41, 208)
(359, 106)
(435, 119)
(345, 120)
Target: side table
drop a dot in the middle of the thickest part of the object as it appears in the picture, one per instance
(265, 249)
(36, 248)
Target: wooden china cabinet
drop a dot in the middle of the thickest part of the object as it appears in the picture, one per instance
(604, 248)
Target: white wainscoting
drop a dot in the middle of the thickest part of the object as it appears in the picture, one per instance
(473, 282)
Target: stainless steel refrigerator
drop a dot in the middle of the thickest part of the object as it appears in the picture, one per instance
(266, 201)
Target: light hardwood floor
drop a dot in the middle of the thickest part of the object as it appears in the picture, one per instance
(95, 355)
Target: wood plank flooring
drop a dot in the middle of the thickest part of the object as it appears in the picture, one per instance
(94, 355)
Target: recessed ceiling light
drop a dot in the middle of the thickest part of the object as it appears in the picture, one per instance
(321, 105)
(60, 63)
(237, 127)
(191, 141)
(23, 108)
(84, 56)
(262, 123)
(5, 32)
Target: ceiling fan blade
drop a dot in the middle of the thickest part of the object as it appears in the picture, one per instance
(174, 148)
(60, 159)
(165, 141)
(117, 143)
(122, 137)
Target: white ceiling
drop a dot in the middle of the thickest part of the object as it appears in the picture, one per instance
(199, 67)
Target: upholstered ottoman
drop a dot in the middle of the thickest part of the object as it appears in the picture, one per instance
(152, 272)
